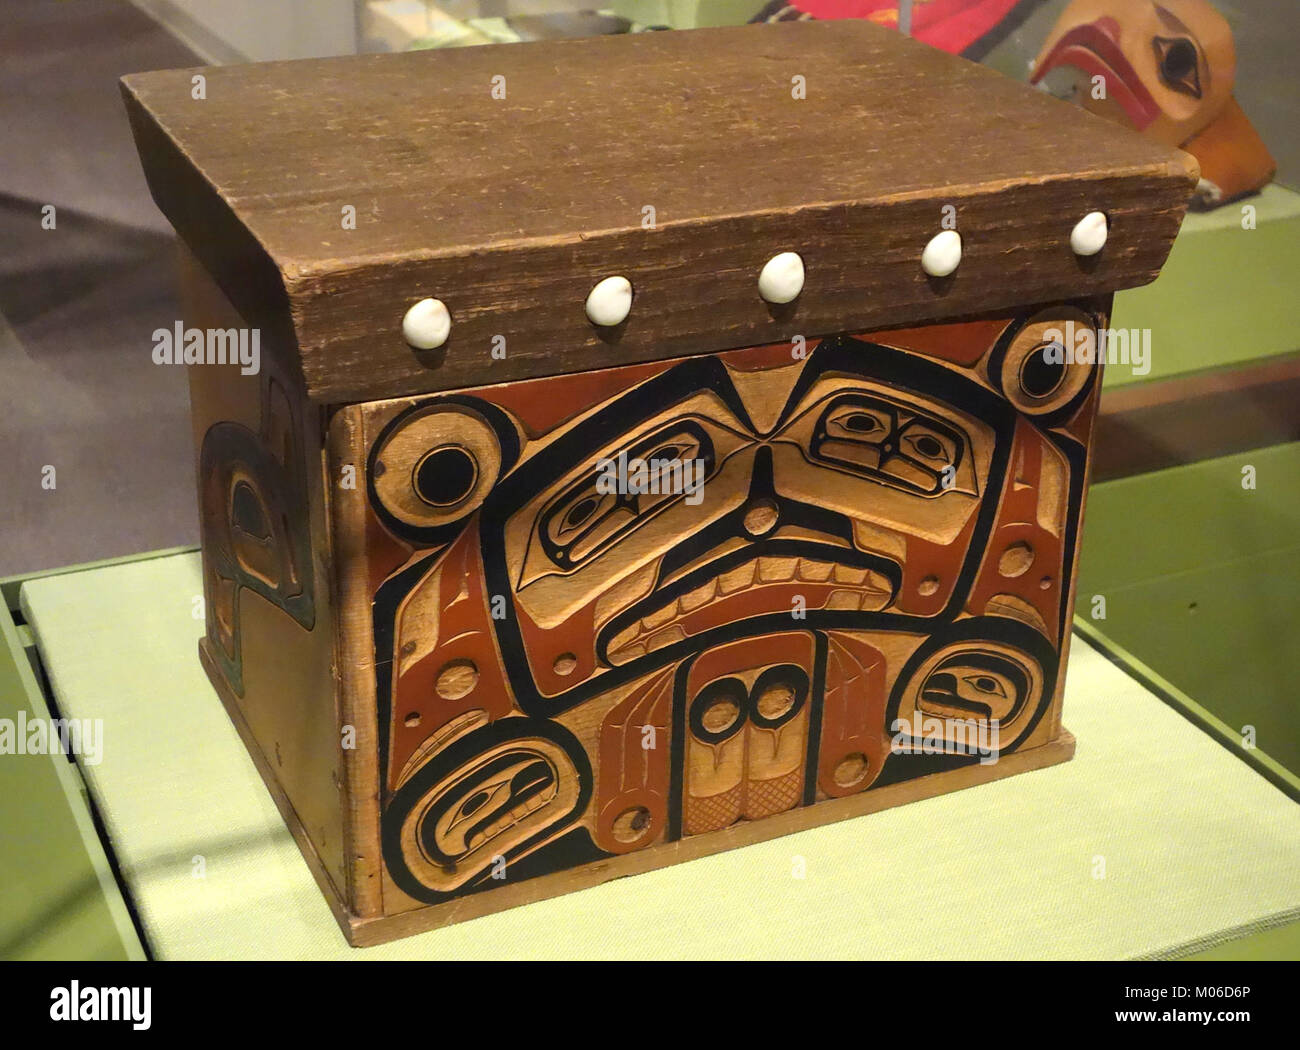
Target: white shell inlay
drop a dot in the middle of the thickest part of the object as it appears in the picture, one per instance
(781, 280)
(1089, 235)
(427, 324)
(610, 302)
(943, 254)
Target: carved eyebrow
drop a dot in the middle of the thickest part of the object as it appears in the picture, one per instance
(1177, 23)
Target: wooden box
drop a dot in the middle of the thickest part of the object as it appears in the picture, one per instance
(510, 589)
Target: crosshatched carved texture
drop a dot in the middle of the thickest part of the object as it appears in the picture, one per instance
(883, 537)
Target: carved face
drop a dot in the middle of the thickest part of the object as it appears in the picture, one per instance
(642, 605)
(815, 507)
(1168, 67)
(969, 683)
(975, 685)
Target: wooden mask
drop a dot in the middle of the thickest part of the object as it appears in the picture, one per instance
(1168, 69)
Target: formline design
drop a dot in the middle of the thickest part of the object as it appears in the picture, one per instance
(475, 669)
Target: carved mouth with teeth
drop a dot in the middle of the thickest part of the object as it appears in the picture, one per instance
(766, 583)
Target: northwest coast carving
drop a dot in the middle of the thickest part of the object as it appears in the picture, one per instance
(1167, 68)
(885, 534)
(253, 525)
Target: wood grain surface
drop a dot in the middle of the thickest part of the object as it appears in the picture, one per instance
(511, 209)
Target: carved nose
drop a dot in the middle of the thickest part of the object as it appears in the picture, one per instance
(761, 517)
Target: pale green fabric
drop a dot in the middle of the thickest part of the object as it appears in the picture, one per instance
(1196, 847)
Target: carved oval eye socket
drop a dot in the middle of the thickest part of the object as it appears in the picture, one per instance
(247, 513)
(580, 513)
(473, 804)
(437, 466)
(445, 476)
(927, 446)
(682, 448)
(986, 684)
(859, 422)
(720, 715)
(919, 440)
(718, 710)
(1047, 360)
(1043, 370)
(779, 695)
(1179, 63)
(582, 510)
(584, 520)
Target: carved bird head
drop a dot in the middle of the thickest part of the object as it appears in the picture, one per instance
(1166, 68)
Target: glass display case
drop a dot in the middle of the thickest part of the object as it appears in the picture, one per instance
(1187, 591)
(1217, 382)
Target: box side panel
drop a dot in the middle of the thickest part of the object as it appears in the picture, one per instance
(1084, 428)
(268, 646)
(351, 536)
(624, 610)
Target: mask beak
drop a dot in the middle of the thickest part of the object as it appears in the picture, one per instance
(1234, 160)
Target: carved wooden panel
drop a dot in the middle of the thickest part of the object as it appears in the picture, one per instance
(252, 505)
(270, 627)
(852, 568)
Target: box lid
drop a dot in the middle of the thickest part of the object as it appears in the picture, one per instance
(506, 181)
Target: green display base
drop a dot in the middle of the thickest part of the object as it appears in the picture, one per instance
(1198, 850)
(1199, 580)
(1225, 297)
(61, 898)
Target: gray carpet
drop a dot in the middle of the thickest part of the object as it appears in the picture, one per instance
(78, 390)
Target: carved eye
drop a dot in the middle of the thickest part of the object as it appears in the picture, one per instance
(583, 511)
(580, 513)
(1042, 364)
(473, 804)
(985, 684)
(919, 440)
(247, 512)
(859, 421)
(1043, 370)
(720, 716)
(1179, 64)
(718, 711)
(435, 466)
(445, 476)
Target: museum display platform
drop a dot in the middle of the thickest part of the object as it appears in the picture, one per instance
(1162, 839)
